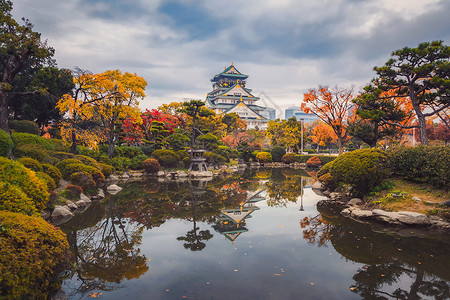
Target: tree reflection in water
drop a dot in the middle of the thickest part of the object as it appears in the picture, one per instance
(388, 260)
(106, 254)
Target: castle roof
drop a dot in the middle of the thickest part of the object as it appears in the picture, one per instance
(231, 71)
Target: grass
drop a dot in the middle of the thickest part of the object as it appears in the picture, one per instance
(431, 203)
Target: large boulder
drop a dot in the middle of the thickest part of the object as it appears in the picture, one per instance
(113, 189)
(71, 205)
(61, 212)
(85, 198)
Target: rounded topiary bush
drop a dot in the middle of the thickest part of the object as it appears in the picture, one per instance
(51, 185)
(96, 174)
(136, 162)
(82, 179)
(73, 191)
(120, 163)
(168, 161)
(6, 143)
(164, 152)
(14, 199)
(214, 158)
(89, 161)
(362, 169)
(52, 171)
(31, 150)
(314, 162)
(24, 126)
(151, 165)
(264, 157)
(25, 179)
(288, 158)
(106, 169)
(277, 153)
(31, 164)
(30, 251)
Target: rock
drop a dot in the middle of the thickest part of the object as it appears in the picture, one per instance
(346, 212)
(113, 189)
(61, 212)
(45, 215)
(361, 214)
(85, 198)
(384, 216)
(71, 205)
(59, 295)
(412, 218)
(136, 174)
(318, 186)
(125, 176)
(182, 174)
(335, 196)
(354, 201)
(113, 178)
(160, 174)
(80, 203)
(99, 196)
(417, 199)
(201, 174)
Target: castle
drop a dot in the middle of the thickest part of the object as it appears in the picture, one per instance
(229, 95)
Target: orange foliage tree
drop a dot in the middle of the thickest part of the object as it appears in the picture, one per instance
(322, 135)
(332, 107)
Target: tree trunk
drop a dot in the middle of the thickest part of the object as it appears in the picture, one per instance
(341, 148)
(420, 118)
(4, 112)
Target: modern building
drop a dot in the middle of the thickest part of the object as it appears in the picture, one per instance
(229, 95)
(296, 112)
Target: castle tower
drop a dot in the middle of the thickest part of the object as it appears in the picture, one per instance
(229, 95)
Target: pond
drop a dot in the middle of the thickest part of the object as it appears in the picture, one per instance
(255, 235)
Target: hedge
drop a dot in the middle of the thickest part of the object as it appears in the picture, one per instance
(136, 162)
(429, 164)
(323, 158)
(28, 138)
(89, 161)
(82, 179)
(26, 180)
(106, 169)
(120, 163)
(361, 169)
(264, 157)
(51, 185)
(277, 153)
(288, 158)
(96, 174)
(214, 158)
(151, 165)
(31, 150)
(30, 251)
(6, 143)
(13, 199)
(31, 164)
(168, 161)
(164, 152)
(24, 126)
(52, 171)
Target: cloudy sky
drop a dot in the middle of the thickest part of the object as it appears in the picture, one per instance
(285, 46)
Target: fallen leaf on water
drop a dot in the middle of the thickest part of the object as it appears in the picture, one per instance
(277, 274)
(269, 234)
(167, 290)
(352, 288)
(419, 262)
(184, 297)
(235, 270)
(312, 283)
(399, 249)
(208, 282)
(431, 255)
(282, 226)
(382, 275)
(149, 259)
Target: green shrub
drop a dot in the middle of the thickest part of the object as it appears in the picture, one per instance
(31, 150)
(288, 158)
(89, 161)
(430, 164)
(65, 162)
(223, 151)
(52, 171)
(264, 157)
(136, 162)
(82, 150)
(323, 158)
(120, 163)
(28, 138)
(30, 251)
(82, 179)
(164, 152)
(126, 151)
(6, 143)
(31, 164)
(106, 169)
(151, 165)
(214, 158)
(57, 145)
(62, 155)
(314, 162)
(186, 161)
(168, 161)
(182, 154)
(147, 149)
(24, 126)
(362, 169)
(25, 179)
(277, 153)
(96, 174)
(73, 191)
(51, 185)
(13, 199)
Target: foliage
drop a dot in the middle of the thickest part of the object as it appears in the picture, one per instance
(323, 158)
(31, 150)
(30, 251)
(6, 143)
(362, 169)
(106, 169)
(209, 141)
(74, 191)
(322, 135)
(21, 46)
(151, 165)
(127, 151)
(52, 171)
(195, 109)
(314, 162)
(88, 161)
(277, 153)
(70, 166)
(13, 199)
(288, 158)
(31, 164)
(214, 158)
(65, 162)
(430, 164)
(419, 75)
(136, 162)
(246, 151)
(62, 155)
(25, 179)
(24, 126)
(332, 107)
(177, 141)
(83, 179)
(51, 185)
(264, 157)
(233, 122)
(285, 133)
(168, 161)
(28, 138)
(164, 152)
(120, 163)
(223, 151)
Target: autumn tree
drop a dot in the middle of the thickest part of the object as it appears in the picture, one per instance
(108, 98)
(19, 45)
(422, 75)
(332, 107)
(322, 135)
(195, 109)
